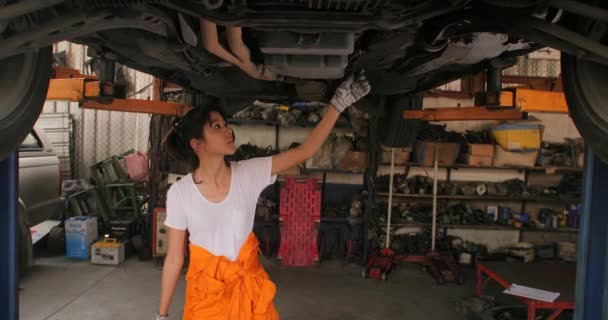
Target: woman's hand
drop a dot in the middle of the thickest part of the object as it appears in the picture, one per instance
(350, 91)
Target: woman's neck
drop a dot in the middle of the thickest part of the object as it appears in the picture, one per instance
(211, 169)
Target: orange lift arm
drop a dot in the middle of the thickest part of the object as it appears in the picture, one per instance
(464, 114)
(71, 85)
(514, 105)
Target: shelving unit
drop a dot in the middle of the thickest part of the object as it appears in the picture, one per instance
(466, 166)
(476, 198)
(482, 198)
(481, 227)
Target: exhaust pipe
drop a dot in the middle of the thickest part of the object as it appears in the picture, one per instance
(240, 55)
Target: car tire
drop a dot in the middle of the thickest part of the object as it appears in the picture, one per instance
(396, 131)
(585, 89)
(24, 82)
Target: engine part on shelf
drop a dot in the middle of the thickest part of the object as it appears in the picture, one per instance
(422, 184)
(248, 151)
(411, 243)
(557, 154)
(468, 189)
(356, 207)
(382, 182)
(491, 189)
(481, 189)
(288, 117)
(516, 188)
(447, 188)
(501, 189)
(478, 137)
(571, 183)
(438, 133)
(313, 118)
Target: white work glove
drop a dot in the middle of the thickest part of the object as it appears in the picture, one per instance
(350, 91)
(157, 316)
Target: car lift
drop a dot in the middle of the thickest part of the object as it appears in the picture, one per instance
(97, 94)
(92, 93)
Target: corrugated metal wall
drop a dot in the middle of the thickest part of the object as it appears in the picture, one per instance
(97, 135)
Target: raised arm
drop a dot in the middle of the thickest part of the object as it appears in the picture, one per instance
(349, 92)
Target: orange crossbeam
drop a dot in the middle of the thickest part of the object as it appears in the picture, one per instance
(464, 114)
(140, 106)
(540, 101)
(68, 73)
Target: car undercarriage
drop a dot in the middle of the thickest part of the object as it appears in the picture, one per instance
(240, 50)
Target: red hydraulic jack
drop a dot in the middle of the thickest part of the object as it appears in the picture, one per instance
(441, 266)
(381, 264)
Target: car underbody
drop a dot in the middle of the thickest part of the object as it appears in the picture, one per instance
(291, 47)
(240, 50)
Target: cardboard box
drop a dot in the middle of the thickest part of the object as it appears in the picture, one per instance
(504, 158)
(484, 150)
(402, 156)
(447, 153)
(479, 161)
(80, 232)
(108, 251)
(355, 161)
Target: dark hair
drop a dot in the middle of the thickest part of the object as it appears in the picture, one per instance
(187, 128)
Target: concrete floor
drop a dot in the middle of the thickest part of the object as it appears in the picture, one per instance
(61, 289)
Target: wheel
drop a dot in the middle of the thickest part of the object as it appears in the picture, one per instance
(585, 85)
(395, 130)
(24, 81)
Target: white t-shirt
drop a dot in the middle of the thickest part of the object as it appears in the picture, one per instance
(221, 228)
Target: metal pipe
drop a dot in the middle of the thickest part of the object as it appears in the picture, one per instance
(390, 201)
(434, 226)
(581, 8)
(494, 79)
(241, 57)
(24, 7)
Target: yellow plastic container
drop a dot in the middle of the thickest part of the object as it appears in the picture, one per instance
(518, 137)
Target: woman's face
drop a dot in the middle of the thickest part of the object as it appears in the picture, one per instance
(218, 138)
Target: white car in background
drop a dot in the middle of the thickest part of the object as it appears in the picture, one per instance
(40, 198)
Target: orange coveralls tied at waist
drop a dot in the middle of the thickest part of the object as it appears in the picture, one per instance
(218, 288)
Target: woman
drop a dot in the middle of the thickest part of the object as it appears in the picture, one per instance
(216, 205)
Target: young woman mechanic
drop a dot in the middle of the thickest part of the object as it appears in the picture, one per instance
(216, 205)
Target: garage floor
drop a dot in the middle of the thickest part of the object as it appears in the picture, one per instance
(61, 289)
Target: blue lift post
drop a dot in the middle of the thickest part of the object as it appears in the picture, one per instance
(9, 274)
(592, 264)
